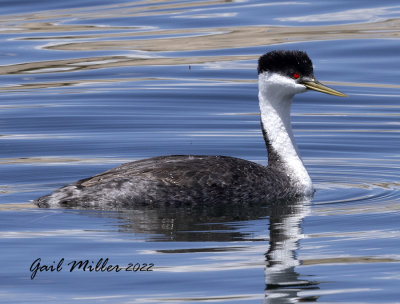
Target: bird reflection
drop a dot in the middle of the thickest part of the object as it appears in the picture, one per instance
(185, 223)
(282, 282)
(198, 224)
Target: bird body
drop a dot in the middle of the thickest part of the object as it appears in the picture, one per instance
(209, 180)
(175, 180)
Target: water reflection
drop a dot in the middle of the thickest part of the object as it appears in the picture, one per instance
(283, 283)
(186, 224)
(219, 224)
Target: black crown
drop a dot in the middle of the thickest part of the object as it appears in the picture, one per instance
(286, 63)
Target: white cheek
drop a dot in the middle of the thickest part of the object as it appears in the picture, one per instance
(279, 85)
(300, 88)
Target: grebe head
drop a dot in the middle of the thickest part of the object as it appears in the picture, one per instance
(283, 74)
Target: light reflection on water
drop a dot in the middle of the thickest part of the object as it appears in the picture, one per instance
(88, 86)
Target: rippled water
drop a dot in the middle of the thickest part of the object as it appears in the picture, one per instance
(87, 85)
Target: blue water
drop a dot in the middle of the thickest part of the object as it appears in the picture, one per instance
(87, 85)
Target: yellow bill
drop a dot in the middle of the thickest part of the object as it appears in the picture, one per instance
(317, 86)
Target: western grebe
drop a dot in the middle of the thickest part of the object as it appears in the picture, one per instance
(201, 180)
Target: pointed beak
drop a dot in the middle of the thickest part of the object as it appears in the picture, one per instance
(317, 86)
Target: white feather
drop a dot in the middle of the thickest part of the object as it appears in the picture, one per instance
(275, 96)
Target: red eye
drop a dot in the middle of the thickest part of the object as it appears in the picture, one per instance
(295, 75)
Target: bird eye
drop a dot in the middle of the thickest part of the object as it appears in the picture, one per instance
(295, 75)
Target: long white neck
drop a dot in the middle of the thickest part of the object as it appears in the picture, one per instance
(275, 97)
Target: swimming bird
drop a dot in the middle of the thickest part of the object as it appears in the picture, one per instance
(209, 180)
